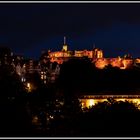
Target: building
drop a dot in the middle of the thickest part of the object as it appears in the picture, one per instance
(61, 56)
(97, 53)
(65, 54)
(101, 63)
(122, 63)
(91, 100)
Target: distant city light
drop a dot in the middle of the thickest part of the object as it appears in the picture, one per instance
(23, 79)
(51, 117)
(29, 87)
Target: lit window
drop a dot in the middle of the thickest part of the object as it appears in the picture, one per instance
(22, 79)
(28, 85)
(51, 117)
(41, 76)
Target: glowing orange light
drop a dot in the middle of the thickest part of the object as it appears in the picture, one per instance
(91, 102)
(29, 87)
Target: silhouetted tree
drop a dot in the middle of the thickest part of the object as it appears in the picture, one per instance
(108, 119)
(75, 74)
(14, 119)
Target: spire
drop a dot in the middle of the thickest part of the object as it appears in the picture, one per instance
(64, 40)
(65, 47)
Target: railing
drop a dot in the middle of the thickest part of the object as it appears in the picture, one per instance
(108, 96)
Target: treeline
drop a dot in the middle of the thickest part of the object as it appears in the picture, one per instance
(107, 119)
(56, 106)
(82, 76)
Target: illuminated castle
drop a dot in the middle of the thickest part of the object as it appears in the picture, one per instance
(95, 55)
(65, 54)
(122, 63)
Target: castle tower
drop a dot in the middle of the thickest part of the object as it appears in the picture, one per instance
(97, 53)
(65, 47)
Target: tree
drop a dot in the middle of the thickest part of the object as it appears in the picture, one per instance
(14, 118)
(108, 119)
(75, 74)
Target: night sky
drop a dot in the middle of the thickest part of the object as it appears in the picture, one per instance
(29, 28)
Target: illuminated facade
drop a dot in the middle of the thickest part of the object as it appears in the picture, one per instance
(43, 76)
(121, 63)
(21, 71)
(65, 54)
(96, 55)
(137, 60)
(60, 56)
(101, 63)
(127, 63)
(91, 100)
